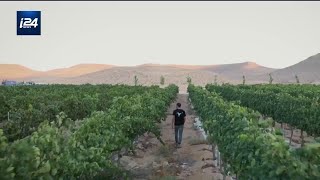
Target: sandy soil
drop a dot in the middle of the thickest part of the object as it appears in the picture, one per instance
(156, 161)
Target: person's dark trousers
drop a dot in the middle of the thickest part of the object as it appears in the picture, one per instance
(178, 129)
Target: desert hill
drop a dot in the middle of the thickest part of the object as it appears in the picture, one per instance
(15, 71)
(148, 74)
(308, 71)
(235, 71)
(18, 72)
(145, 74)
(77, 70)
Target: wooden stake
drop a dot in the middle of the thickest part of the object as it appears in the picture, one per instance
(302, 138)
(291, 135)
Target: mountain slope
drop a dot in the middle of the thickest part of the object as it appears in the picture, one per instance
(147, 75)
(77, 70)
(308, 71)
(235, 71)
(14, 71)
(150, 74)
(245, 67)
(20, 73)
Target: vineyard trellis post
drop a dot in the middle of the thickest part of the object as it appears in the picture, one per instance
(224, 171)
(291, 129)
(214, 151)
(189, 80)
(302, 138)
(270, 78)
(243, 79)
(135, 80)
(162, 80)
(297, 79)
(215, 80)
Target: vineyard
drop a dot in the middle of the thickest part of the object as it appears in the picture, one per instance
(25, 107)
(73, 132)
(79, 132)
(250, 146)
(296, 105)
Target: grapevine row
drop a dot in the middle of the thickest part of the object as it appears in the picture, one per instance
(299, 112)
(311, 91)
(65, 149)
(23, 108)
(247, 145)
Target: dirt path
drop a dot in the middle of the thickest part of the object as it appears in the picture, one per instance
(155, 161)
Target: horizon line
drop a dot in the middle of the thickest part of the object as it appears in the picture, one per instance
(152, 63)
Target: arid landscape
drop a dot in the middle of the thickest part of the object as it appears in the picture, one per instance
(148, 74)
(164, 90)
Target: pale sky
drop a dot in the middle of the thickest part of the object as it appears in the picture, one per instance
(272, 34)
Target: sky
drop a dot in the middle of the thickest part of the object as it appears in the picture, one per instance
(272, 34)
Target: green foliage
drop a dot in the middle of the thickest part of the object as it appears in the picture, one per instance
(67, 149)
(249, 147)
(297, 105)
(278, 132)
(23, 108)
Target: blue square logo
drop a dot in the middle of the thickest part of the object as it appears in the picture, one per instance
(28, 22)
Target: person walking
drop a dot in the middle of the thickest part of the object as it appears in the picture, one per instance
(178, 120)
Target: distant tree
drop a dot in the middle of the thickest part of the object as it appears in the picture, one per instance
(189, 80)
(243, 80)
(135, 80)
(270, 79)
(297, 79)
(162, 80)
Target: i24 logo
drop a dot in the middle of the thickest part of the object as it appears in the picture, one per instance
(28, 22)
